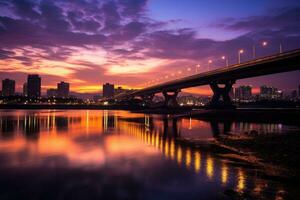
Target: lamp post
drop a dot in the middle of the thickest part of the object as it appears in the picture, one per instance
(179, 73)
(173, 74)
(226, 60)
(197, 67)
(241, 51)
(188, 70)
(280, 48)
(209, 63)
(264, 44)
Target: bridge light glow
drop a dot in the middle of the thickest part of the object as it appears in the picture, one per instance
(197, 66)
(209, 63)
(264, 43)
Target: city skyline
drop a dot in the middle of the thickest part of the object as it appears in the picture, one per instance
(62, 90)
(134, 43)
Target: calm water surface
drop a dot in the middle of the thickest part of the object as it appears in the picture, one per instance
(78, 154)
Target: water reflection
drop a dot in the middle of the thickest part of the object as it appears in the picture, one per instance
(95, 139)
(224, 172)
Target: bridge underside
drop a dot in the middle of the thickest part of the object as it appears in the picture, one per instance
(221, 94)
(220, 99)
(170, 98)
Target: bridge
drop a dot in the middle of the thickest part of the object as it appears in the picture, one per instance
(220, 80)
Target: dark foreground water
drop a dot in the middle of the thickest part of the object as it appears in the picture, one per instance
(75, 154)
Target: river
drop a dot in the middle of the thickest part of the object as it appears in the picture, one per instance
(100, 154)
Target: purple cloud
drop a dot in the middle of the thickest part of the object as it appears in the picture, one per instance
(123, 29)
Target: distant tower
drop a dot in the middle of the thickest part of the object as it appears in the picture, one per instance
(25, 89)
(34, 86)
(108, 90)
(63, 89)
(8, 87)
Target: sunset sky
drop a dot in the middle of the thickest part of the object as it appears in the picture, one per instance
(132, 42)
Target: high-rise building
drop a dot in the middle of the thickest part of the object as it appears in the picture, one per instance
(51, 92)
(25, 89)
(63, 89)
(8, 87)
(33, 86)
(108, 90)
(244, 92)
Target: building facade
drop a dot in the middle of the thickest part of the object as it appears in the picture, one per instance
(34, 86)
(8, 87)
(63, 89)
(269, 93)
(108, 90)
(51, 92)
(25, 89)
(243, 93)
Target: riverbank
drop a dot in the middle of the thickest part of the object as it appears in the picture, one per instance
(273, 156)
(277, 154)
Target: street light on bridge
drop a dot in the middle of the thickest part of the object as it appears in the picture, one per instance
(209, 63)
(264, 44)
(188, 69)
(197, 67)
(241, 51)
(226, 60)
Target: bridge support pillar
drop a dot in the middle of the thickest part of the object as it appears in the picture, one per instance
(171, 98)
(148, 99)
(221, 95)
